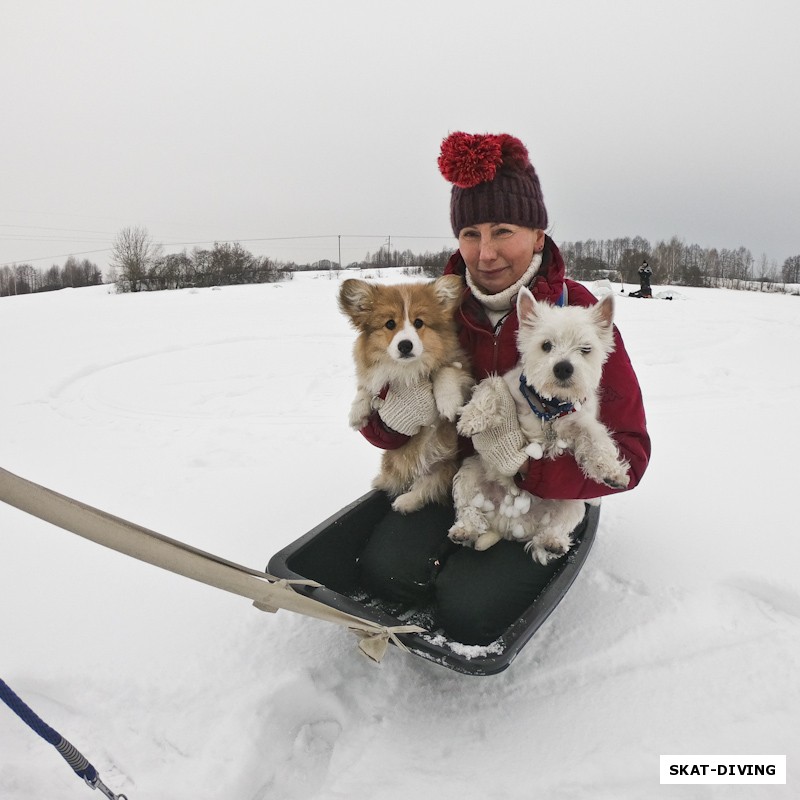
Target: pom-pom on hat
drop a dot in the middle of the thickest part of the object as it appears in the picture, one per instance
(493, 181)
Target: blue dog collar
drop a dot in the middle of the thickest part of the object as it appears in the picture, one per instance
(544, 408)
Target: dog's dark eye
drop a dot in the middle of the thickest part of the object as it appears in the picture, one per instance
(418, 323)
(586, 349)
(547, 346)
(391, 324)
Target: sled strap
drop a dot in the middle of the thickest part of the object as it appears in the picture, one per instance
(80, 766)
(267, 592)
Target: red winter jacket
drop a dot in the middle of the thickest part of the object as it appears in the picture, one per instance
(621, 407)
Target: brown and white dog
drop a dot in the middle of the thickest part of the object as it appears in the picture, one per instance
(407, 338)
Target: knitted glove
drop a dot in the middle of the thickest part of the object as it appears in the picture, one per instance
(502, 447)
(406, 409)
(490, 418)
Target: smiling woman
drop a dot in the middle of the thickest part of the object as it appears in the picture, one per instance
(498, 255)
(497, 212)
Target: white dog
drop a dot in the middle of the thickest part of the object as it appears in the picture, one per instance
(554, 390)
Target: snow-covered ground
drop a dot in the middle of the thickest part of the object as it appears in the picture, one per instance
(218, 417)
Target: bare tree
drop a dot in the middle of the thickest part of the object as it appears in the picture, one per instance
(25, 278)
(8, 280)
(172, 271)
(133, 253)
(790, 270)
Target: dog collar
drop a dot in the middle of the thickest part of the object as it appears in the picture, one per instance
(544, 408)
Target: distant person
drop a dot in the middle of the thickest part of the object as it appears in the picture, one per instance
(644, 280)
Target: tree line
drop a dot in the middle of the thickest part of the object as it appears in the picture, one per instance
(26, 279)
(142, 266)
(432, 263)
(427, 263)
(138, 263)
(676, 263)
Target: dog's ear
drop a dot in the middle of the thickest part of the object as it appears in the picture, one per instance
(526, 307)
(449, 289)
(356, 300)
(604, 311)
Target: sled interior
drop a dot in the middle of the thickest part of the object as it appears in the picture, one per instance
(329, 555)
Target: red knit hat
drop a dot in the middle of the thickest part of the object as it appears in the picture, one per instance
(493, 181)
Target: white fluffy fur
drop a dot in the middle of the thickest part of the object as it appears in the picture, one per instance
(490, 506)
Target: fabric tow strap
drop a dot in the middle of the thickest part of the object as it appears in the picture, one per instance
(267, 592)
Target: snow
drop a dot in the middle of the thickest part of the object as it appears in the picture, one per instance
(220, 418)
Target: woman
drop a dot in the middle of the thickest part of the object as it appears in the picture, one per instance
(497, 212)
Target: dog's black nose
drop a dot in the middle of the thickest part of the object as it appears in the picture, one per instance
(405, 347)
(563, 370)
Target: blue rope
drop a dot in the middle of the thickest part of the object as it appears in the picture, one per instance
(81, 767)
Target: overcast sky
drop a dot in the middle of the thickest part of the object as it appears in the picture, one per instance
(250, 121)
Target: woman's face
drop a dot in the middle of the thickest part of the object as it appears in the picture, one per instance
(497, 254)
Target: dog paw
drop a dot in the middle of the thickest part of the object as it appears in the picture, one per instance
(546, 547)
(449, 412)
(471, 421)
(487, 540)
(406, 503)
(460, 535)
(450, 391)
(358, 418)
(617, 478)
(481, 411)
(449, 404)
(604, 465)
(360, 411)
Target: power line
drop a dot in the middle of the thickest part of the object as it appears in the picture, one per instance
(48, 228)
(207, 241)
(47, 258)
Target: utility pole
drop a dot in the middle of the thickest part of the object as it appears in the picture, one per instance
(340, 252)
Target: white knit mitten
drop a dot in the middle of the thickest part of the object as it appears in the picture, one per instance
(490, 418)
(502, 447)
(406, 409)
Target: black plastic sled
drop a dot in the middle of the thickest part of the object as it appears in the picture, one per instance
(329, 555)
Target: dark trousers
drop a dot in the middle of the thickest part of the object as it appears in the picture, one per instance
(475, 595)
